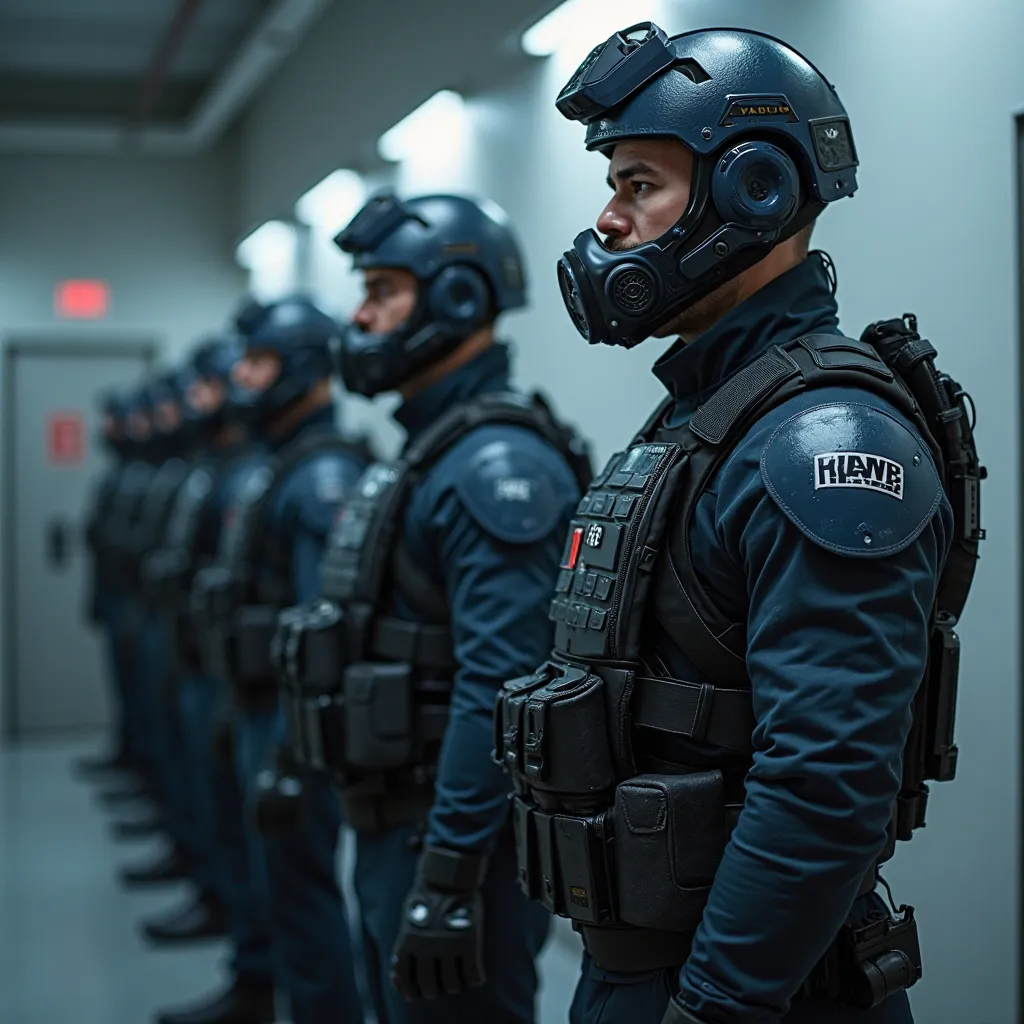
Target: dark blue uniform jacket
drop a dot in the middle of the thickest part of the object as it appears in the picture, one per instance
(486, 525)
(836, 643)
(307, 501)
(232, 468)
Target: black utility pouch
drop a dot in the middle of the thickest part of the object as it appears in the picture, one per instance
(379, 715)
(565, 753)
(321, 657)
(670, 833)
(255, 626)
(508, 719)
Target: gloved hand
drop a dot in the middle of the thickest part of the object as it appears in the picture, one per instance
(439, 950)
(678, 1014)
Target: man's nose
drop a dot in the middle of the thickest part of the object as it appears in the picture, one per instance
(363, 317)
(613, 222)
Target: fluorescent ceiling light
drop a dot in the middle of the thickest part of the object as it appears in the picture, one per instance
(433, 125)
(272, 244)
(584, 24)
(331, 205)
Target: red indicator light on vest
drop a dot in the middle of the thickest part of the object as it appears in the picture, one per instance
(574, 550)
(81, 300)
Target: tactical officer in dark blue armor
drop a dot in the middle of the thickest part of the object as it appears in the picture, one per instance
(109, 540)
(435, 584)
(103, 603)
(170, 448)
(754, 668)
(188, 544)
(269, 555)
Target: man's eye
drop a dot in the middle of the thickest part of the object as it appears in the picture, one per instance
(639, 187)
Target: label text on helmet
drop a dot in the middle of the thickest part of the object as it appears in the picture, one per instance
(742, 108)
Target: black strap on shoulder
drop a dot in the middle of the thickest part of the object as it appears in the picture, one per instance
(532, 412)
(715, 644)
(506, 407)
(301, 448)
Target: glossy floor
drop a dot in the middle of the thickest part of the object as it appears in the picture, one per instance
(69, 946)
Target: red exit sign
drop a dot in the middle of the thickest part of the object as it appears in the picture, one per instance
(81, 300)
(65, 438)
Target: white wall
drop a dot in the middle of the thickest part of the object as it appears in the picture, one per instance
(932, 87)
(160, 232)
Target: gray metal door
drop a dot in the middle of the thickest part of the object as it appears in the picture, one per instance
(55, 661)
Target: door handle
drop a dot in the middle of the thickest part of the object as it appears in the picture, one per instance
(59, 535)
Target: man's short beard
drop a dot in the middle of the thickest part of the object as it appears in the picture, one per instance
(703, 314)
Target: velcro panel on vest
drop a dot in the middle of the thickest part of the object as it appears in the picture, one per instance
(612, 546)
(715, 419)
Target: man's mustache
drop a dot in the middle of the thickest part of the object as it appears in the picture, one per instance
(618, 244)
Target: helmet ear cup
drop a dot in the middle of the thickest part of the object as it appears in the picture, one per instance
(459, 297)
(757, 186)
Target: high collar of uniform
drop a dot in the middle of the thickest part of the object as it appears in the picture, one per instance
(319, 420)
(484, 374)
(798, 302)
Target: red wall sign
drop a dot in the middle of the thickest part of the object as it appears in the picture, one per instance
(81, 300)
(65, 438)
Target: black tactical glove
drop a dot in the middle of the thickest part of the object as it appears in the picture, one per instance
(678, 1014)
(439, 950)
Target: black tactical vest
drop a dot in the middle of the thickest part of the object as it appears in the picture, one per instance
(368, 691)
(236, 601)
(164, 570)
(154, 510)
(115, 532)
(630, 856)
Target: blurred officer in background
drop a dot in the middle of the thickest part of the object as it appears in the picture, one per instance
(708, 769)
(103, 603)
(435, 586)
(268, 558)
(169, 448)
(189, 543)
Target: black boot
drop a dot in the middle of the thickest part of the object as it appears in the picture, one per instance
(138, 828)
(98, 767)
(245, 1002)
(168, 867)
(201, 917)
(113, 797)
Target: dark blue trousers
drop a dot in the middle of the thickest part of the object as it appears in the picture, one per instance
(607, 997)
(295, 878)
(199, 702)
(107, 607)
(162, 732)
(514, 931)
(124, 621)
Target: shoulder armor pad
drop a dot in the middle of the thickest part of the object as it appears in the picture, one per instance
(852, 478)
(508, 488)
(319, 486)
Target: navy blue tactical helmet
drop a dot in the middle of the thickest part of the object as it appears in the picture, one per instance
(212, 360)
(160, 396)
(302, 335)
(249, 315)
(112, 435)
(772, 146)
(468, 267)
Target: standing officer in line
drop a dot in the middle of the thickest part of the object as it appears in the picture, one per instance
(111, 536)
(102, 607)
(269, 558)
(172, 449)
(435, 586)
(189, 544)
(759, 592)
